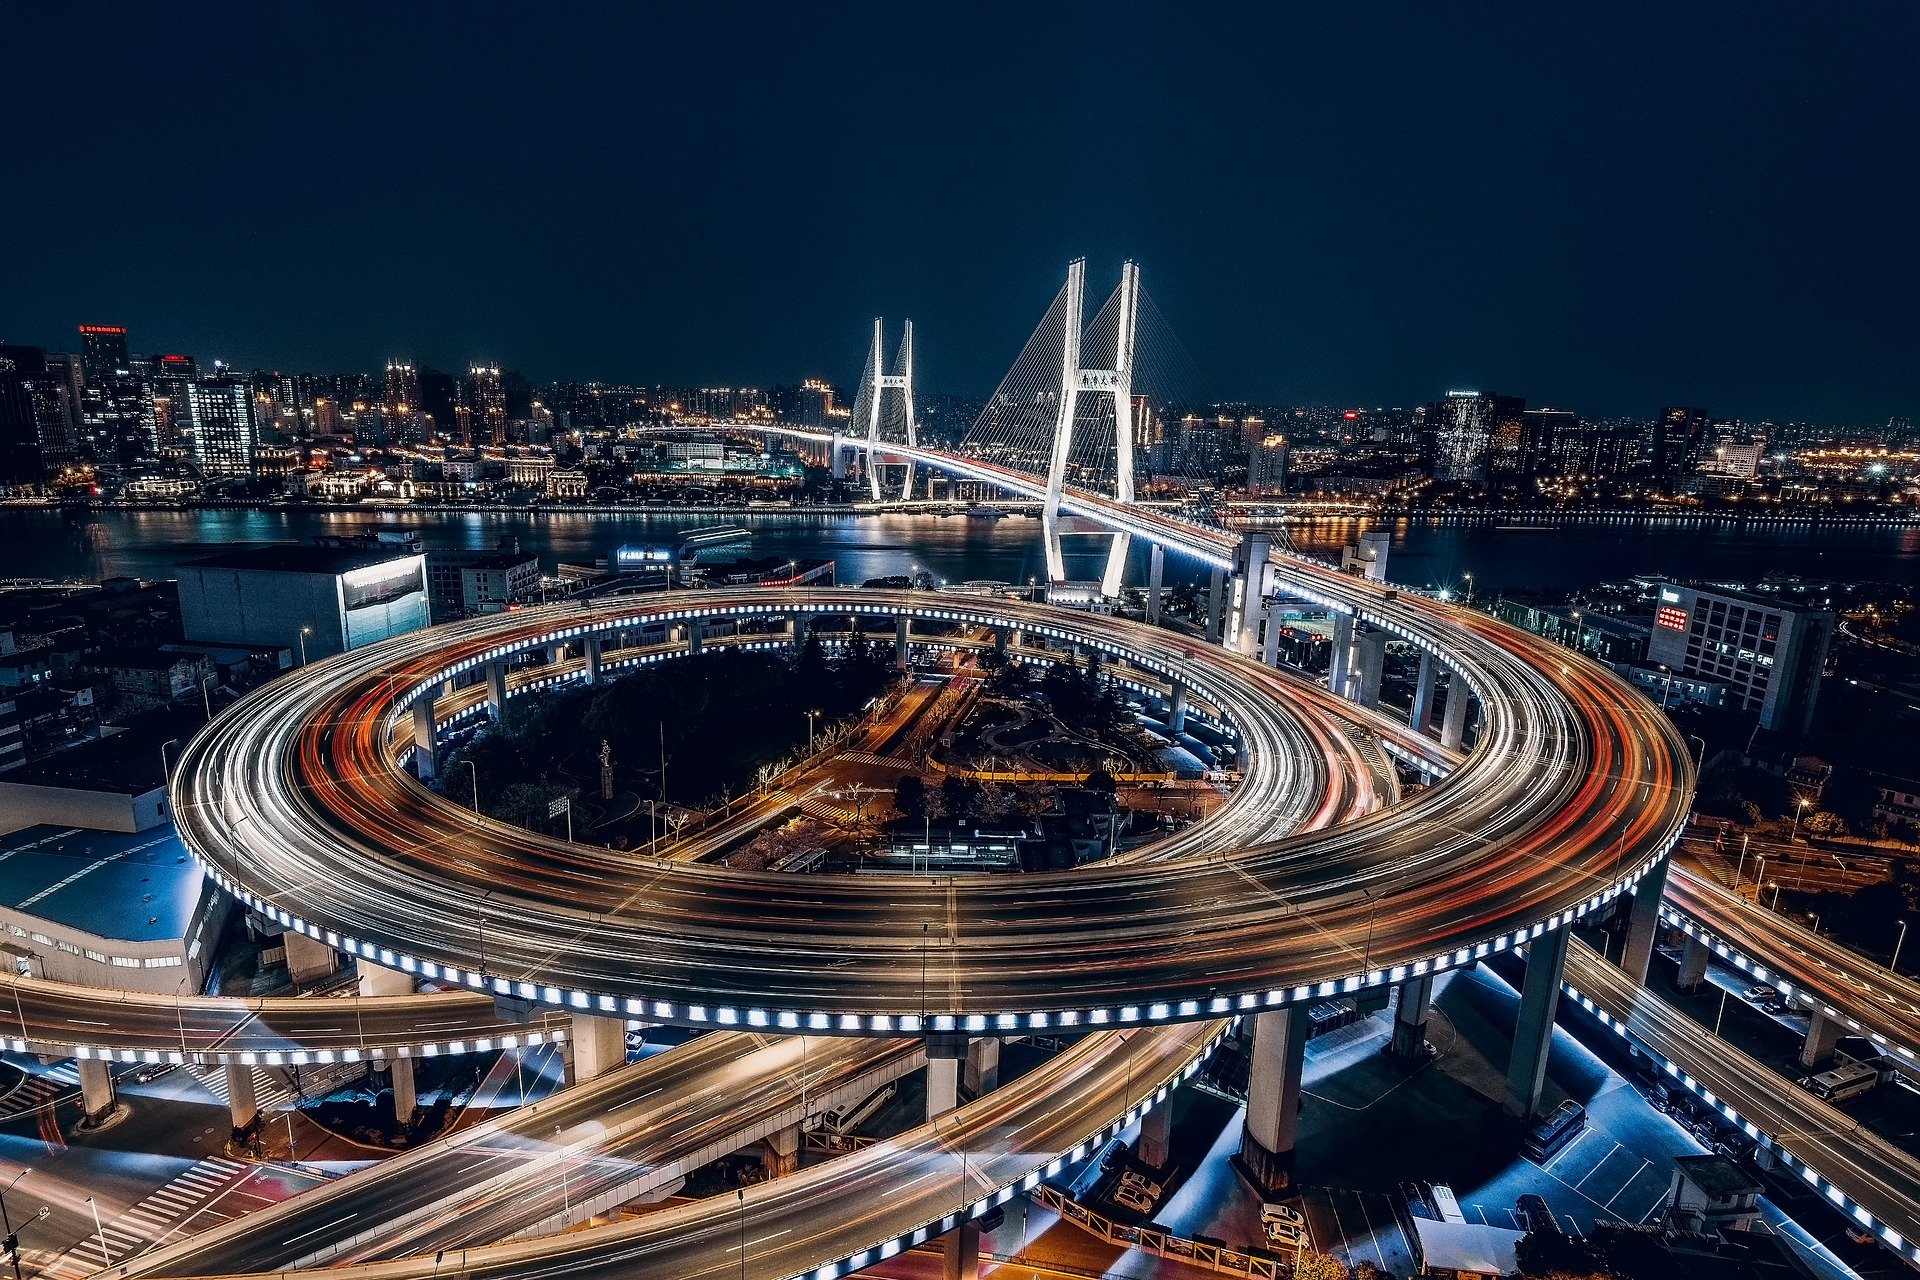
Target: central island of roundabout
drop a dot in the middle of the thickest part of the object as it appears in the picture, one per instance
(307, 802)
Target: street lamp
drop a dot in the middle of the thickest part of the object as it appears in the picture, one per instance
(1469, 578)
(1800, 807)
(304, 633)
(206, 699)
(1894, 964)
(170, 742)
(813, 718)
(473, 771)
(1741, 869)
(6, 1220)
(1666, 684)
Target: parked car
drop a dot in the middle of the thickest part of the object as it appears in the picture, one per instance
(1761, 991)
(1536, 1214)
(1128, 1198)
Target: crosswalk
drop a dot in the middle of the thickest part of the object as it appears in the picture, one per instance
(268, 1093)
(827, 812)
(39, 1089)
(153, 1219)
(867, 757)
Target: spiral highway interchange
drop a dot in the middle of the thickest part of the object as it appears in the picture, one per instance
(300, 801)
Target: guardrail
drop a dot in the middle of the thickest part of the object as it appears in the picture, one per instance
(1158, 1241)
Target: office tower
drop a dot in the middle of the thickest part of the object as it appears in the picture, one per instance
(117, 423)
(1679, 440)
(482, 413)
(225, 432)
(60, 429)
(22, 371)
(1770, 654)
(1462, 430)
(103, 350)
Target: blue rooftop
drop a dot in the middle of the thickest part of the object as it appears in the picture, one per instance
(137, 888)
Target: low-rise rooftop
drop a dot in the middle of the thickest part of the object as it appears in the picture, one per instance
(137, 888)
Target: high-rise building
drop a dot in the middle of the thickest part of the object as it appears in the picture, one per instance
(1679, 441)
(117, 424)
(1546, 438)
(225, 434)
(22, 370)
(1463, 427)
(103, 350)
(1769, 653)
(1267, 460)
(483, 407)
(401, 414)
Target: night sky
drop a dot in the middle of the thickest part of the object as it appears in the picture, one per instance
(1605, 207)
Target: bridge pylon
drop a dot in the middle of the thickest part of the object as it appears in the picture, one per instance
(1075, 381)
(868, 404)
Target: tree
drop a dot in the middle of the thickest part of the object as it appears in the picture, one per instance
(910, 795)
(1825, 823)
(1101, 781)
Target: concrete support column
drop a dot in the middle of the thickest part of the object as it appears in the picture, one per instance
(1422, 711)
(696, 636)
(946, 1053)
(1177, 709)
(556, 653)
(406, 1100)
(1339, 664)
(1823, 1033)
(1693, 964)
(1370, 657)
(308, 959)
(1270, 641)
(1273, 1098)
(1000, 635)
(1643, 922)
(378, 981)
(1156, 581)
(902, 633)
(496, 688)
(241, 1102)
(1453, 721)
(837, 457)
(599, 1045)
(1249, 593)
(1216, 603)
(96, 1089)
(780, 1152)
(426, 762)
(1156, 1136)
(962, 1253)
(797, 622)
(593, 659)
(1533, 1031)
(982, 1071)
(1413, 1000)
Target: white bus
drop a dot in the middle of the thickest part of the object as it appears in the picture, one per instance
(1843, 1082)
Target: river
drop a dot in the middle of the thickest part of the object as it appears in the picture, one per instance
(1426, 553)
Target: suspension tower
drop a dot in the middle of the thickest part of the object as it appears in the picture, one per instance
(869, 402)
(1115, 381)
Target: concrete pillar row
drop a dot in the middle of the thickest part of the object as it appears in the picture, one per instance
(97, 1098)
(947, 1055)
(426, 746)
(376, 980)
(780, 1152)
(1533, 1031)
(1177, 709)
(308, 959)
(696, 636)
(1270, 637)
(1413, 1001)
(1156, 1136)
(1823, 1036)
(1273, 1098)
(242, 1103)
(1422, 712)
(1000, 638)
(798, 621)
(598, 1045)
(496, 687)
(1156, 582)
(902, 634)
(1643, 923)
(1216, 604)
(593, 659)
(1453, 721)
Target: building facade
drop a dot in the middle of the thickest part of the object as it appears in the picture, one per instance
(1769, 653)
(313, 601)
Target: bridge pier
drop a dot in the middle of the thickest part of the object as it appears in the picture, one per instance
(593, 659)
(797, 624)
(780, 1152)
(1216, 601)
(97, 1097)
(1533, 1029)
(308, 959)
(1823, 1035)
(837, 456)
(596, 1045)
(1413, 1000)
(1643, 923)
(1177, 709)
(1693, 963)
(376, 980)
(242, 1104)
(1370, 654)
(947, 1054)
(696, 637)
(1340, 661)
(1249, 593)
(1274, 1069)
(1156, 1136)
(1156, 582)
(1422, 713)
(406, 1097)
(1453, 720)
(902, 635)
(1000, 636)
(496, 687)
(982, 1072)
(426, 761)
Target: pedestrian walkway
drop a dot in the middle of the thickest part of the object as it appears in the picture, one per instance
(268, 1093)
(152, 1220)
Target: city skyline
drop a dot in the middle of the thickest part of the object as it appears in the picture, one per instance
(1634, 208)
